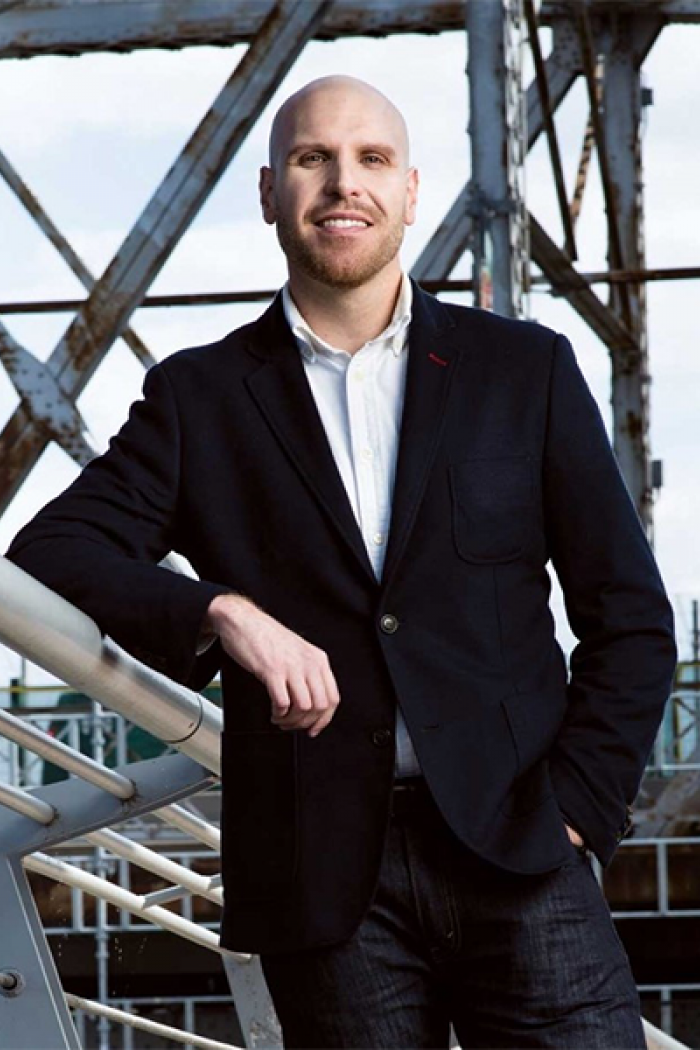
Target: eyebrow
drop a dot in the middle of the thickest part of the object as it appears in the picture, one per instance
(321, 147)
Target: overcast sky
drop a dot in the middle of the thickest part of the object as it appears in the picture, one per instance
(93, 136)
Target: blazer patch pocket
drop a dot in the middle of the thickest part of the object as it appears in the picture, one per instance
(492, 503)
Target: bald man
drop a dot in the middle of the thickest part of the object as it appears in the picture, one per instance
(370, 484)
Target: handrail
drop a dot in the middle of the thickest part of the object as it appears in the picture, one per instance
(70, 875)
(658, 1040)
(198, 828)
(51, 632)
(190, 881)
(22, 802)
(166, 1031)
(51, 750)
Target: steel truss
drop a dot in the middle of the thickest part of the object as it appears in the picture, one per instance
(602, 41)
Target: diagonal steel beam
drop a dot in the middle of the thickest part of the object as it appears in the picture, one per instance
(590, 59)
(550, 130)
(52, 413)
(578, 292)
(169, 213)
(13, 179)
(450, 240)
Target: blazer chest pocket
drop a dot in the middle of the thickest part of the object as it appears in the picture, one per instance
(492, 502)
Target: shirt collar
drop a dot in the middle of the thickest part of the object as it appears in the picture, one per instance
(311, 345)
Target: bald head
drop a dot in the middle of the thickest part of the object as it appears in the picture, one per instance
(338, 187)
(328, 93)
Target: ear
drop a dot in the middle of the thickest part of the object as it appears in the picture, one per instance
(412, 180)
(267, 195)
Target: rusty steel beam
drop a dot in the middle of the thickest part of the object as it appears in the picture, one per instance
(265, 295)
(63, 247)
(550, 130)
(573, 286)
(630, 371)
(687, 11)
(590, 62)
(169, 213)
(584, 166)
(449, 242)
(64, 27)
(52, 413)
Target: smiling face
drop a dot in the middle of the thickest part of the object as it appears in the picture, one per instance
(339, 187)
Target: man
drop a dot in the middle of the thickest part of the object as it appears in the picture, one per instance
(370, 484)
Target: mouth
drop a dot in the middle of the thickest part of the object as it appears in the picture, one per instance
(343, 222)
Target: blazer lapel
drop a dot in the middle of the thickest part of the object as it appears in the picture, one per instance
(283, 395)
(432, 363)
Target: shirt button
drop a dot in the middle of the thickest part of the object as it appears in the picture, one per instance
(367, 453)
(381, 737)
(378, 538)
(389, 624)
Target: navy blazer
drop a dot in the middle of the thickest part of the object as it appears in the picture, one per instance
(504, 464)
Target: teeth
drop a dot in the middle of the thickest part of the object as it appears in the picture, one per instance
(344, 224)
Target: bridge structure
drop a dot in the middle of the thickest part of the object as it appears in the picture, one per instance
(599, 43)
(35, 1009)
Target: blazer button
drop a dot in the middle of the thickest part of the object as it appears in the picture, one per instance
(381, 737)
(389, 624)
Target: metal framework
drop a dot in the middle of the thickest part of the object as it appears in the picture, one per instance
(602, 43)
(34, 1008)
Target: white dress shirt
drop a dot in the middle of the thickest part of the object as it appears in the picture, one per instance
(359, 398)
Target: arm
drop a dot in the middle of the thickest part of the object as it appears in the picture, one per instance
(98, 544)
(622, 667)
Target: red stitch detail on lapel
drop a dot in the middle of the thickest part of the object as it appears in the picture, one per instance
(437, 360)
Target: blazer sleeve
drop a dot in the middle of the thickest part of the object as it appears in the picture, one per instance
(98, 544)
(622, 668)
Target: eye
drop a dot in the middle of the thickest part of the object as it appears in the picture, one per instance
(373, 159)
(312, 159)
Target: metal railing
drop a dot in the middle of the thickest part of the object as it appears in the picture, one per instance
(34, 1009)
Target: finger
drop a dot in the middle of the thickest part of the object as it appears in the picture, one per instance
(331, 686)
(331, 698)
(300, 711)
(279, 696)
(320, 724)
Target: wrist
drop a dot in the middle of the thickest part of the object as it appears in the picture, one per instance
(226, 609)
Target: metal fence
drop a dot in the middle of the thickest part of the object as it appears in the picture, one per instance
(35, 1011)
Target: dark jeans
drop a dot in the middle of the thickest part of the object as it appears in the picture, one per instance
(509, 960)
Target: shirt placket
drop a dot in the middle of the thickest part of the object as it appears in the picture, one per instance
(367, 453)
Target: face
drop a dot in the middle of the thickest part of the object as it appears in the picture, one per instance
(339, 188)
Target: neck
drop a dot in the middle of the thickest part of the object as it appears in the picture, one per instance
(347, 318)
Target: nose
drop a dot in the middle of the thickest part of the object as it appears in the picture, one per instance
(342, 179)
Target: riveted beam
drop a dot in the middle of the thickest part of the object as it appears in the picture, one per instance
(52, 413)
(169, 213)
(63, 27)
(450, 240)
(630, 368)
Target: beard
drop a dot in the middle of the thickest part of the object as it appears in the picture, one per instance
(334, 266)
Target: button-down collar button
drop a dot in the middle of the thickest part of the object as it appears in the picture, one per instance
(381, 737)
(389, 624)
